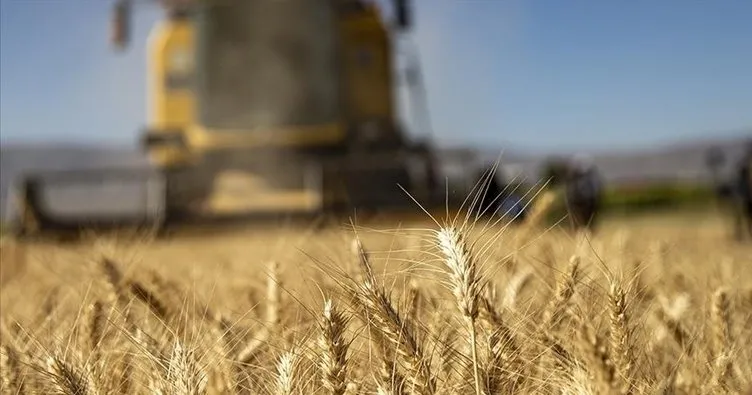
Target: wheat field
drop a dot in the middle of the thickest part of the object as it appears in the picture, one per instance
(644, 306)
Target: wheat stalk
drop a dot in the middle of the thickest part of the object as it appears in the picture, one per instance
(273, 296)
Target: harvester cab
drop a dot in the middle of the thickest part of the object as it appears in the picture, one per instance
(255, 107)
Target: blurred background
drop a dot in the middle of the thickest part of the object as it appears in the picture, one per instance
(647, 88)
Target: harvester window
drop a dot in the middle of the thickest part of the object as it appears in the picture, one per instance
(180, 70)
(181, 61)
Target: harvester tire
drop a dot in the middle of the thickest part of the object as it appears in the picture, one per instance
(184, 187)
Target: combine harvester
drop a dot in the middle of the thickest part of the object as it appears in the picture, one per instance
(257, 108)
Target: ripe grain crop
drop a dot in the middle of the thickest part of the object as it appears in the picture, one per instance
(643, 306)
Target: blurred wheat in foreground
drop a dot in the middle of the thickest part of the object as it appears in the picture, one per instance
(444, 309)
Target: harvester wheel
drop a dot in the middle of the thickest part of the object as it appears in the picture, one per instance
(185, 188)
(26, 219)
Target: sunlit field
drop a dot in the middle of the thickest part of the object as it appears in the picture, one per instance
(646, 305)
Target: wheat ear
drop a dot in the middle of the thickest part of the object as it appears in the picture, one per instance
(378, 311)
(514, 288)
(286, 374)
(721, 310)
(116, 294)
(565, 289)
(620, 336)
(272, 315)
(124, 382)
(150, 299)
(333, 349)
(95, 324)
(150, 348)
(69, 380)
(678, 332)
(10, 370)
(466, 286)
(184, 375)
(598, 348)
(496, 370)
(414, 301)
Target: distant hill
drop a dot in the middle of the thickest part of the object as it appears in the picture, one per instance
(683, 161)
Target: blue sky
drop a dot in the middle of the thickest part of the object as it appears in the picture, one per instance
(535, 74)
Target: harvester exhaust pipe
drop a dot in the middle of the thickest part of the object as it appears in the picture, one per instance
(403, 13)
(120, 24)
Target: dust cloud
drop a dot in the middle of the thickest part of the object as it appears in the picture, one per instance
(270, 63)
